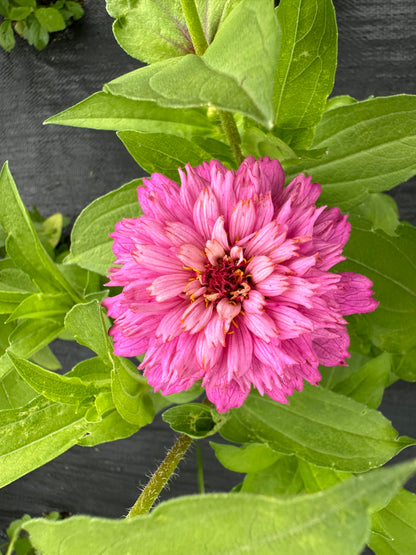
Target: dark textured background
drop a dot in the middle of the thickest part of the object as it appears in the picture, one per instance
(63, 169)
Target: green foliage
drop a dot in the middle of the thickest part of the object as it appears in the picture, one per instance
(371, 148)
(319, 426)
(334, 521)
(91, 246)
(390, 264)
(306, 68)
(34, 21)
(216, 78)
(194, 419)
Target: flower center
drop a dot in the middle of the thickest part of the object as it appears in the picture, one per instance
(225, 279)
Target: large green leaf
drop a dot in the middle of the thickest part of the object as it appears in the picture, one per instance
(106, 111)
(43, 305)
(394, 527)
(91, 245)
(371, 147)
(251, 457)
(36, 433)
(317, 425)
(306, 67)
(228, 75)
(163, 153)
(138, 26)
(23, 244)
(62, 389)
(390, 262)
(334, 521)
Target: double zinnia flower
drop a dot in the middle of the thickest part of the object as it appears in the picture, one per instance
(226, 280)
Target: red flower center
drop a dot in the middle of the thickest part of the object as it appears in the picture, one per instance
(225, 279)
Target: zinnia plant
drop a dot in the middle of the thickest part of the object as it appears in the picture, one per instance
(240, 300)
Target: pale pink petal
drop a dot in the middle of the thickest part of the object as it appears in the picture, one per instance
(169, 285)
(227, 311)
(261, 325)
(192, 257)
(259, 268)
(254, 303)
(219, 234)
(273, 286)
(243, 220)
(180, 234)
(214, 250)
(157, 259)
(196, 316)
(206, 212)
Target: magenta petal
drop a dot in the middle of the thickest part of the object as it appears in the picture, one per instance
(354, 294)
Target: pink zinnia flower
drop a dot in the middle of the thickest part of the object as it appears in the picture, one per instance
(226, 280)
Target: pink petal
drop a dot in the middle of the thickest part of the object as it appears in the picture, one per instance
(243, 220)
(205, 212)
(196, 316)
(168, 286)
(273, 286)
(259, 268)
(354, 294)
(214, 250)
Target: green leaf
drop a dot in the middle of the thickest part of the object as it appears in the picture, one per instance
(92, 370)
(334, 521)
(319, 426)
(87, 323)
(4, 8)
(194, 419)
(281, 478)
(15, 286)
(61, 389)
(33, 435)
(46, 358)
(34, 33)
(404, 365)
(91, 246)
(19, 13)
(258, 144)
(159, 152)
(50, 230)
(106, 111)
(14, 392)
(390, 263)
(306, 68)
(381, 210)
(394, 527)
(337, 101)
(43, 305)
(216, 78)
(23, 244)
(75, 8)
(371, 148)
(129, 391)
(161, 401)
(50, 19)
(367, 384)
(7, 40)
(138, 26)
(247, 458)
(27, 338)
(111, 428)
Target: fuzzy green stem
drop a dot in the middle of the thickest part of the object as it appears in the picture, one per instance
(161, 477)
(233, 136)
(201, 484)
(194, 26)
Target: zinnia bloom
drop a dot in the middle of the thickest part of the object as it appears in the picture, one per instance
(226, 280)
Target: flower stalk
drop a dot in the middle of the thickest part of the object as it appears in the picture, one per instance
(161, 477)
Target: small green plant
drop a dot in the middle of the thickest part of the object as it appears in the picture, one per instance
(34, 20)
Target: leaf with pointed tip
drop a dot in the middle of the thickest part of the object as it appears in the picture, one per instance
(334, 521)
(106, 111)
(306, 68)
(61, 389)
(194, 419)
(251, 457)
(43, 306)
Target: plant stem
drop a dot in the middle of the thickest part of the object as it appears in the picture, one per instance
(161, 477)
(194, 26)
(201, 484)
(233, 136)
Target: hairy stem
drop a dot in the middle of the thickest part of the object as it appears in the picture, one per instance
(161, 477)
(232, 134)
(201, 484)
(194, 26)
